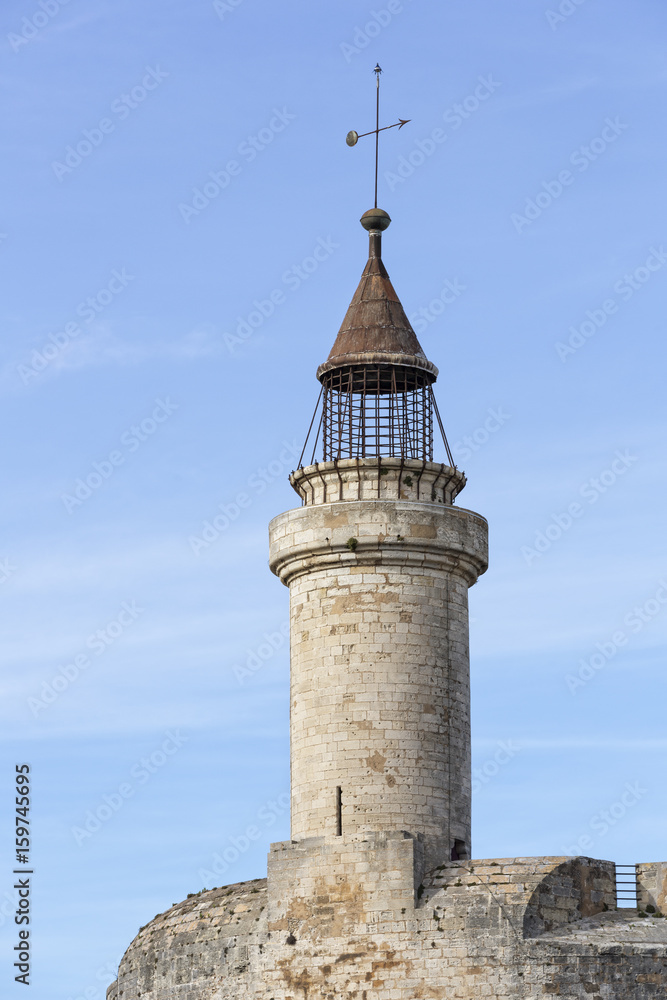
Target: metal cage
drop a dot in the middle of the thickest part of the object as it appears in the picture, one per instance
(377, 410)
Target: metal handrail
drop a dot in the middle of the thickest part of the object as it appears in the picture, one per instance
(623, 873)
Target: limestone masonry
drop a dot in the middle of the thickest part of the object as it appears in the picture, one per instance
(375, 896)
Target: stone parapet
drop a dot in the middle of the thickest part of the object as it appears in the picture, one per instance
(534, 895)
(209, 942)
(357, 918)
(377, 479)
(652, 887)
(326, 887)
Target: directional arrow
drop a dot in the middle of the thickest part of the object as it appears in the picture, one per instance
(352, 138)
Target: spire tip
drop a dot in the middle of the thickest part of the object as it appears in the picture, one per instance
(375, 219)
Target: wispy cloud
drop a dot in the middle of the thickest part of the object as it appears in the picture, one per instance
(101, 346)
(79, 20)
(579, 743)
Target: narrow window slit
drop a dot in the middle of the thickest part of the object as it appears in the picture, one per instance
(339, 811)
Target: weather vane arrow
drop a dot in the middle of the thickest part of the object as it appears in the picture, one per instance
(352, 138)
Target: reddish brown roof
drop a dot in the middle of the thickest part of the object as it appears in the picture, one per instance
(375, 328)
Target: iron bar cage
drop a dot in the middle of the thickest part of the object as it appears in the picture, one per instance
(377, 410)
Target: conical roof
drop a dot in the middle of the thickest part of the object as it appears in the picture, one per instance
(375, 329)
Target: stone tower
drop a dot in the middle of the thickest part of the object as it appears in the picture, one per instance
(378, 562)
(375, 896)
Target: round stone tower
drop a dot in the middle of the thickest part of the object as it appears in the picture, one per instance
(374, 895)
(378, 562)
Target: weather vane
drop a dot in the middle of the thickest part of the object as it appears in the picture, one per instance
(353, 137)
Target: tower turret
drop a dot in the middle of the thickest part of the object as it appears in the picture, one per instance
(378, 562)
(376, 382)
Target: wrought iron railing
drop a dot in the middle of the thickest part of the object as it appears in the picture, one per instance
(626, 885)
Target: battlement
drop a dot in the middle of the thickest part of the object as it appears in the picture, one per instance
(337, 915)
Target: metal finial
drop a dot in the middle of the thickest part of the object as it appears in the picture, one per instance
(353, 137)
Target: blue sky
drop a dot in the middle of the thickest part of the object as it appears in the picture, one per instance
(179, 243)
